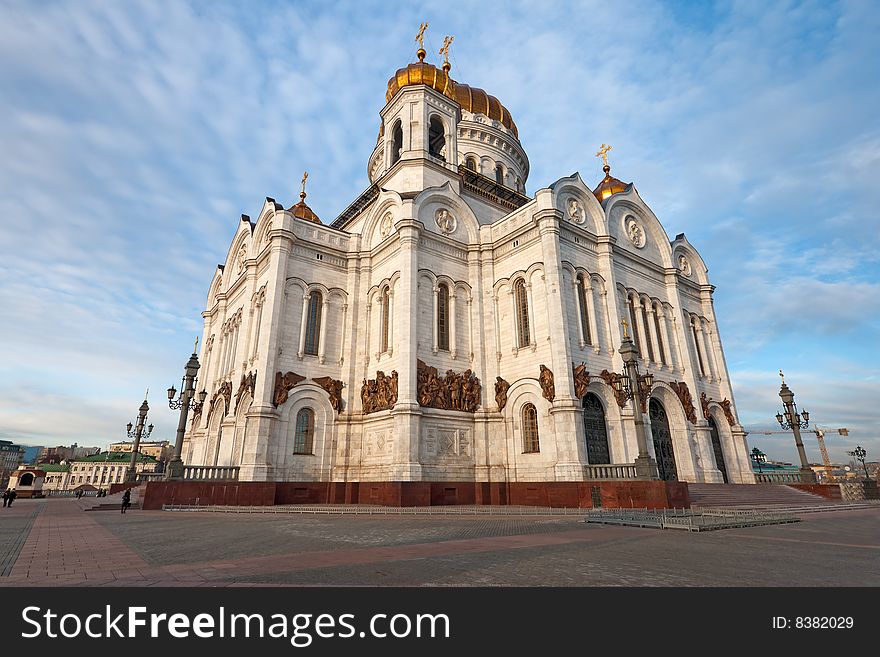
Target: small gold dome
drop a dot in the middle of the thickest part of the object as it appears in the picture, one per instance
(609, 185)
(303, 211)
(471, 99)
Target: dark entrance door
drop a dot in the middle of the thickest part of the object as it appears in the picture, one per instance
(662, 441)
(595, 431)
(716, 446)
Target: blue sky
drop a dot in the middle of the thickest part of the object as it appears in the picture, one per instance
(134, 134)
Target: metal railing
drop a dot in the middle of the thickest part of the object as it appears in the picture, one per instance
(364, 509)
(610, 471)
(777, 477)
(210, 472)
(689, 519)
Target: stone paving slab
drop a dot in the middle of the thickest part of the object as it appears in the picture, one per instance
(68, 547)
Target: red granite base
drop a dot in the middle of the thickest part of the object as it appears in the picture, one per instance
(572, 494)
(830, 491)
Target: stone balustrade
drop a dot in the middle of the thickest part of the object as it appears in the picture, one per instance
(610, 471)
(210, 472)
(777, 477)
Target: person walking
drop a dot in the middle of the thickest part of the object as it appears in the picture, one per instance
(11, 497)
(126, 499)
(5, 496)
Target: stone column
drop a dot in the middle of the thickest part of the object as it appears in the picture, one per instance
(643, 335)
(667, 345)
(406, 411)
(591, 315)
(565, 411)
(322, 337)
(652, 331)
(582, 339)
(532, 327)
(707, 364)
(436, 325)
(302, 326)
(453, 297)
(262, 415)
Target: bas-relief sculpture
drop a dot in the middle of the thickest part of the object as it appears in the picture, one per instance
(454, 391)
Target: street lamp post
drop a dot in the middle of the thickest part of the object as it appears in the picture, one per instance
(795, 421)
(634, 385)
(185, 403)
(137, 434)
(860, 453)
(759, 457)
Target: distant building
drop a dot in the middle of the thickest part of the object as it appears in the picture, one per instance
(31, 454)
(94, 472)
(161, 450)
(11, 456)
(64, 453)
(27, 481)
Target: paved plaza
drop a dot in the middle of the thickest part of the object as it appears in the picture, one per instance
(54, 542)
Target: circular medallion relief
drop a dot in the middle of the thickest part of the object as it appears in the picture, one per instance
(684, 266)
(635, 232)
(445, 221)
(386, 225)
(575, 211)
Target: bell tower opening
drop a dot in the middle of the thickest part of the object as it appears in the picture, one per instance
(396, 141)
(436, 138)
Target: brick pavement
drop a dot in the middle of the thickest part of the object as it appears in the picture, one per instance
(67, 546)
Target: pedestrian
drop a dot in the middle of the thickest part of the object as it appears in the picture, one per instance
(5, 496)
(126, 499)
(12, 496)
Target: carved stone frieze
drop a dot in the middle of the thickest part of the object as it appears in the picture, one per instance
(334, 390)
(687, 402)
(247, 384)
(548, 387)
(581, 379)
(224, 393)
(379, 394)
(283, 384)
(501, 388)
(456, 391)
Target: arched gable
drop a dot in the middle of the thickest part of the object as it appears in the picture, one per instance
(626, 207)
(428, 202)
(573, 187)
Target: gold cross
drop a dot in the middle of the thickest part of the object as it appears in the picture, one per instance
(603, 153)
(782, 376)
(625, 325)
(447, 41)
(420, 37)
(305, 177)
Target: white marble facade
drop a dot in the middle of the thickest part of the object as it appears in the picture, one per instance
(461, 271)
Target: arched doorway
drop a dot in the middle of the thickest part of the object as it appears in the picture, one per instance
(595, 431)
(662, 441)
(716, 447)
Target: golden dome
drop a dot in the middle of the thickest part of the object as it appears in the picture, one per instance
(609, 185)
(303, 211)
(471, 99)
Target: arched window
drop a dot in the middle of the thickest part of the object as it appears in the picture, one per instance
(582, 292)
(519, 185)
(697, 346)
(530, 429)
(471, 164)
(436, 138)
(305, 431)
(522, 313)
(313, 323)
(396, 141)
(386, 307)
(499, 174)
(443, 317)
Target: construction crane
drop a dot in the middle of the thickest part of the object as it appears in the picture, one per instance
(820, 438)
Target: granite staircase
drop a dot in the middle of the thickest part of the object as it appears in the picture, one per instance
(754, 496)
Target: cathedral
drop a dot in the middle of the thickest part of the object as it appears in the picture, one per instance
(448, 326)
